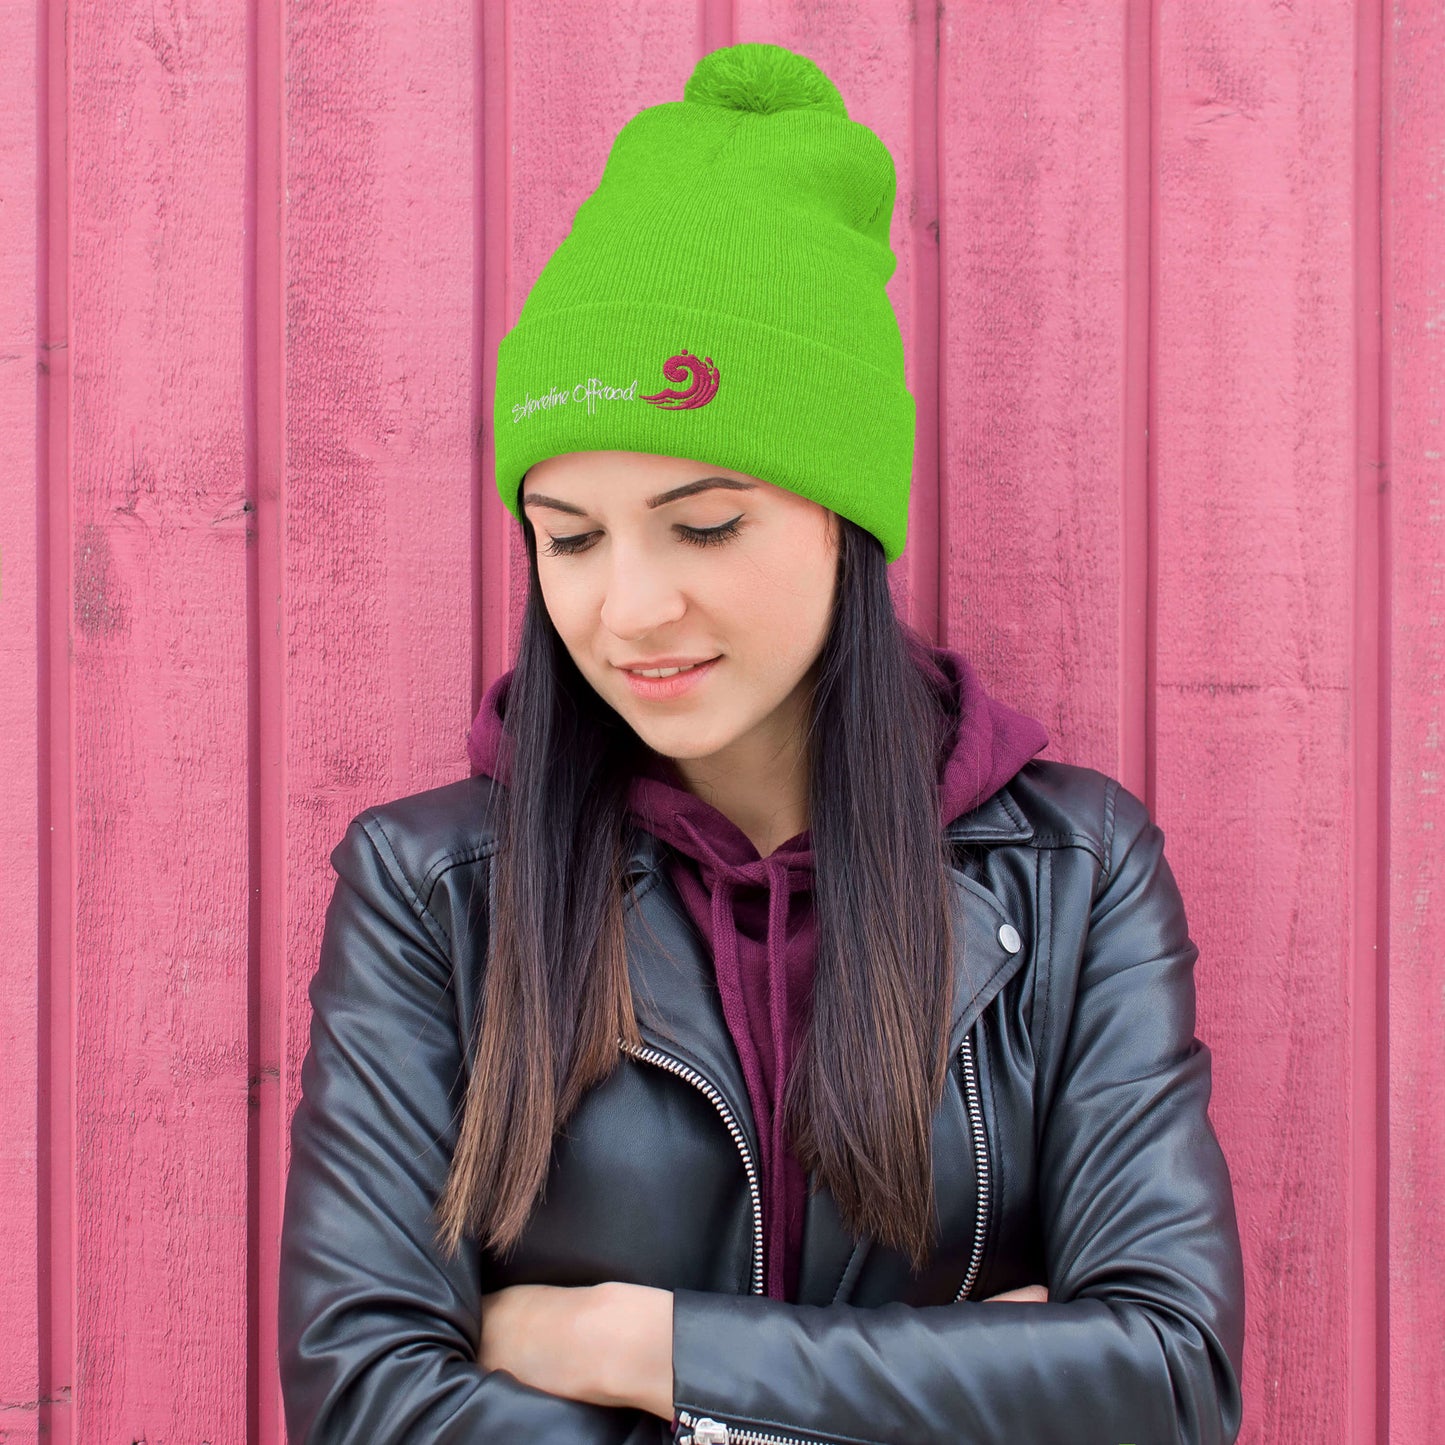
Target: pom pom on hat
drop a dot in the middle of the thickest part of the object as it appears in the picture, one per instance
(763, 78)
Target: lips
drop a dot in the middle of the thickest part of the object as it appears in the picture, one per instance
(662, 662)
(668, 666)
(675, 684)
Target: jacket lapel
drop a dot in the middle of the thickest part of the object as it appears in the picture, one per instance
(679, 1011)
(833, 1260)
(983, 965)
(674, 987)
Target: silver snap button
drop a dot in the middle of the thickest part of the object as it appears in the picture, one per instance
(1008, 935)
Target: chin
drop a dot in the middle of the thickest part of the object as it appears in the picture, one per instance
(682, 740)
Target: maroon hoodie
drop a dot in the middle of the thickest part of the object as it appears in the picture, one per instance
(757, 913)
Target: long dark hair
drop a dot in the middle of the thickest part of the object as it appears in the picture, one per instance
(859, 1103)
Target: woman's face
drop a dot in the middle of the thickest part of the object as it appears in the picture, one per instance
(642, 581)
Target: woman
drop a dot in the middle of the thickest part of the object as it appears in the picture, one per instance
(762, 1002)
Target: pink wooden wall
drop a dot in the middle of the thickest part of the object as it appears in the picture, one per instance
(1171, 279)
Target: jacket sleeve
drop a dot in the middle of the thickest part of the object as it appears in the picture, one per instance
(1142, 1335)
(378, 1331)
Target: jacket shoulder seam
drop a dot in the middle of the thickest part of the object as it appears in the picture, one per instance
(1110, 795)
(444, 865)
(383, 845)
(1046, 974)
(1050, 825)
(1059, 838)
(1046, 837)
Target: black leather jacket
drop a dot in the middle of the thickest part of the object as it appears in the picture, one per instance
(1072, 1149)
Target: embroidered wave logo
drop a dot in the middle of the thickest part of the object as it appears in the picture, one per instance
(701, 378)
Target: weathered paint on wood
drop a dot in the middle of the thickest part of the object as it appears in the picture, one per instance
(24, 751)
(1169, 278)
(1406, 1056)
(153, 492)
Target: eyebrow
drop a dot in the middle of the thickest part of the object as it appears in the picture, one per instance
(688, 489)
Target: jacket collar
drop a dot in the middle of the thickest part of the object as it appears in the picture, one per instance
(678, 1007)
(996, 820)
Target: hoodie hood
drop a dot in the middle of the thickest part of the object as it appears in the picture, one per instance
(757, 913)
(988, 742)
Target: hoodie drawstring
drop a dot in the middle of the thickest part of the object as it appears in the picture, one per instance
(778, 983)
(722, 878)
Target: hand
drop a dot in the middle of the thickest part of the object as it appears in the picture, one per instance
(1035, 1292)
(539, 1333)
(606, 1344)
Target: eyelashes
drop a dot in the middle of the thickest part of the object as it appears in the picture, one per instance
(696, 536)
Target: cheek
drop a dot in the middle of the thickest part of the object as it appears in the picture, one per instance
(791, 581)
(568, 607)
(774, 611)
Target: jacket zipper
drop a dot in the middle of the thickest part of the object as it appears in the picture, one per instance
(675, 1066)
(980, 1159)
(704, 1430)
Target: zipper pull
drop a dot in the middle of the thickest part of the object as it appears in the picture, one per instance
(705, 1431)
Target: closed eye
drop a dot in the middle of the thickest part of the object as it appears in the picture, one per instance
(697, 536)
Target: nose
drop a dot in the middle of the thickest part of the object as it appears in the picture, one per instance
(641, 599)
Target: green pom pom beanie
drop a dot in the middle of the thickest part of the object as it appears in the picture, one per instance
(720, 296)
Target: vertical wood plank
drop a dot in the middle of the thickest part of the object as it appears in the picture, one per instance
(494, 532)
(1367, 1108)
(22, 463)
(1254, 463)
(157, 635)
(1032, 139)
(1414, 381)
(377, 507)
(55, 1305)
(268, 1063)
